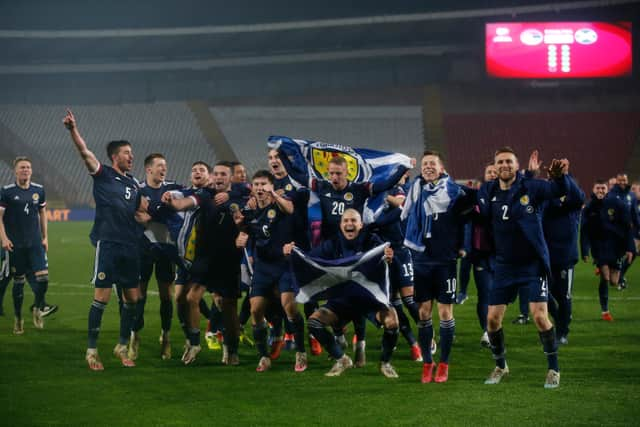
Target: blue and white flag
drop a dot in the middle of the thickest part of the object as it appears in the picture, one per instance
(320, 278)
(305, 160)
(423, 201)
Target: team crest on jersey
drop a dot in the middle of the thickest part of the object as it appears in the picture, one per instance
(234, 207)
(101, 275)
(611, 212)
(524, 200)
(348, 197)
(320, 158)
(288, 187)
(35, 197)
(271, 213)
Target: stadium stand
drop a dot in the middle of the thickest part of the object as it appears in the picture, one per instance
(390, 128)
(7, 175)
(585, 138)
(168, 128)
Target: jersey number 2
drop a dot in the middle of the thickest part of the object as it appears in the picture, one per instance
(505, 209)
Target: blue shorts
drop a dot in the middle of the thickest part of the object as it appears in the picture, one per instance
(401, 269)
(28, 260)
(353, 303)
(538, 291)
(434, 281)
(269, 276)
(182, 276)
(223, 279)
(116, 263)
(164, 266)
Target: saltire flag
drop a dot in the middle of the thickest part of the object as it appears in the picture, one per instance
(319, 278)
(305, 160)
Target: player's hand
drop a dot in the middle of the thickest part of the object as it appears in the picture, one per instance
(534, 162)
(268, 188)
(565, 166)
(557, 169)
(585, 258)
(629, 256)
(142, 217)
(69, 120)
(166, 198)
(221, 198)
(388, 254)
(252, 203)
(238, 218)
(413, 161)
(144, 204)
(241, 240)
(7, 245)
(288, 248)
(462, 253)
(45, 244)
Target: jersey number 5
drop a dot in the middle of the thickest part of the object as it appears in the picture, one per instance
(127, 193)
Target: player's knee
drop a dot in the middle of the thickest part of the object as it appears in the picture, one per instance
(424, 312)
(42, 277)
(391, 323)
(193, 298)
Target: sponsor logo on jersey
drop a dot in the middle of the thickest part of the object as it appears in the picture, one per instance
(529, 209)
(348, 197)
(271, 213)
(524, 200)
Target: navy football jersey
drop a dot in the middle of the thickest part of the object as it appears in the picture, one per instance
(512, 247)
(270, 229)
(22, 213)
(117, 198)
(158, 229)
(334, 202)
(388, 225)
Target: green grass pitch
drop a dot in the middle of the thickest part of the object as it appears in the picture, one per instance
(44, 379)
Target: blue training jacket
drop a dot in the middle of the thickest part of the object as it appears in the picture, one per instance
(526, 197)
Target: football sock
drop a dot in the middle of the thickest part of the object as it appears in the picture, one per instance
(550, 348)
(139, 324)
(326, 338)
(194, 336)
(260, 338)
(216, 319)
(298, 332)
(204, 309)
(127, 321)
(40, 289)
(360, 328)
(4, 283)
(95, 320)
(412, 306)
(182, 318)
(166, 313)
(425, 335)
(603, 294)
(18, 296)
(403, 321)
(447, 331)
(245, 311)
(389, 341)
(309, 308)
(497, 347)
(482, 309)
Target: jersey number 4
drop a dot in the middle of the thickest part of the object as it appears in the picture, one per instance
(26, 208)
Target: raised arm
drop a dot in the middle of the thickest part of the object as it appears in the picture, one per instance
(90, 160)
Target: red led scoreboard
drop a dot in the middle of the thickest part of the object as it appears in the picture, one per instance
(558, 49)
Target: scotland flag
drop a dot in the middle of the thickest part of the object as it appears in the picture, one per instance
(305, 160)
(319, 278)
